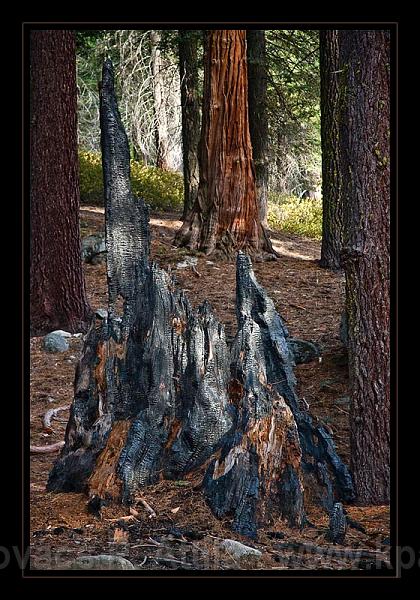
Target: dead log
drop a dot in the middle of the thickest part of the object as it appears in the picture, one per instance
(158, 392)
(46, 449)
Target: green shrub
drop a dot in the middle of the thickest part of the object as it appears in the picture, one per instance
(163, 190)
(295, 215)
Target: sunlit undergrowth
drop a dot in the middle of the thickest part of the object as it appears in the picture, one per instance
(295, 215)
(162, 190)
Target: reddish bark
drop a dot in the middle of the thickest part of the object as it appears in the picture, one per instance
(225, 214)
(57, 287)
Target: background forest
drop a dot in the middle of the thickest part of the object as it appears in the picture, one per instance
(210, 298)
(291, 64)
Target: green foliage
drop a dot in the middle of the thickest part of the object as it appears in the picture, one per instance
(163, 190)
(295, 215)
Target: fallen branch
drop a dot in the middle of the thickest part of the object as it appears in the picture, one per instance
(194, 270)
(172, 560)
(147, 507)
(46, 449)
(50, 414)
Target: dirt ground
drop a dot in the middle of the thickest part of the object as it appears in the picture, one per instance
(184, 534)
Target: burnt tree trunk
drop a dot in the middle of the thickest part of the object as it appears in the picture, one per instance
(365, 155)
(258, 118)
(225, 214)
(332, 209)
(190, 107)
(159, 393)
(57, 288)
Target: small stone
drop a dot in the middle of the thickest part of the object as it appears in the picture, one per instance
(77, 335)
(303, 351)
(55, 342)
(64, 334)
(92, 246)
(238, 550)
(101, 313)
(102, 562)
(189, 261)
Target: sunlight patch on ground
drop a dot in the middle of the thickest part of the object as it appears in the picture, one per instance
(288, 249)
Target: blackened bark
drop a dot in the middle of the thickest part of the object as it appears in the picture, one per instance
(158, 393)
(190, 106)
(365, 153)
(225, 214)
(57, 287)
(258, 118)
(332, 217)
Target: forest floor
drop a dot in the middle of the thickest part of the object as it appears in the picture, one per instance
(185, 534)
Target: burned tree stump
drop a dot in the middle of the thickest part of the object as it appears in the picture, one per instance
(159, 393)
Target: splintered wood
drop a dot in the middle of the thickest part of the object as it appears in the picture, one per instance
(104, 481)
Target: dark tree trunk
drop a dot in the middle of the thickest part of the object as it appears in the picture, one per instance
(161, 121)
(225, 214)
(365, 152)
(57, 288)
(332, 209)
(158, 392)
(258, 118)
(188, 72)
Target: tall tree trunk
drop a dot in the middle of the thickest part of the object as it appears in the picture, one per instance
(188, 72)
(57, 288)
(161, 121)
(159, 394)
(332, 210)
(365, 153)
(225, 214)
(258, 118)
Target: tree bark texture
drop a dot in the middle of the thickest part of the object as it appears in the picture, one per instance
(225, 214)
(161, 126)
(332, 210)
(190, 106)
(160, 394)
(365, 159)
(258, 117)
(57, 287)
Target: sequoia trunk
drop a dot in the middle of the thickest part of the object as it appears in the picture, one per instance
(225, 214)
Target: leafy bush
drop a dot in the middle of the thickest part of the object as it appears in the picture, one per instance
(295, 215)
(163, 190)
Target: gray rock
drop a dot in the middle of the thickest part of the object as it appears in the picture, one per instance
(63, 333)
(303, 351)
(102, 562)
(238, 550)
(92, 247)
(101, 313)
(55, 342)
(189, 261)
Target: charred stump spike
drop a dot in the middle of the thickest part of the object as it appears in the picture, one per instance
(157, 393)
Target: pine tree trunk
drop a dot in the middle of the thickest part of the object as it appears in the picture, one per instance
(188, 71)
(159, 393)
(258, 119)
(161, 121)
(332, 210)
(57, 288)
(365, 155)
(225, 214)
